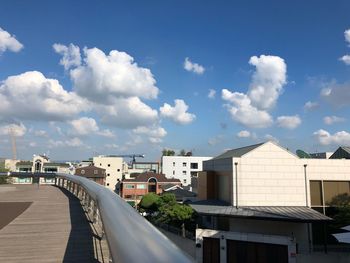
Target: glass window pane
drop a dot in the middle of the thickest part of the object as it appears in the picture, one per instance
(316, 193)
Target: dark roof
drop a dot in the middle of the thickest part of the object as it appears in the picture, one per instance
(89, 172)
(180, 193)
(167, 186)
(144, 177)
(24, 163)
(238, 152)
(341, 153)
(56, 164)
(279, 213)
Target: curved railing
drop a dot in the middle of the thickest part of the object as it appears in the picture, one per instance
(130, 237)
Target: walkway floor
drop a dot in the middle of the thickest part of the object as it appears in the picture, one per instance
(54, 228)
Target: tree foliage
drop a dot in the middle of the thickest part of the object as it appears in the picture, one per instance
(149, 202)
(341, 204)
(168, 152)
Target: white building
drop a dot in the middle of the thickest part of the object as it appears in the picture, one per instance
(115, 168)
(182, 167)
(263, 195)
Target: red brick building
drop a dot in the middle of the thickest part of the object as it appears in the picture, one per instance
(93, 173)
(134, 189)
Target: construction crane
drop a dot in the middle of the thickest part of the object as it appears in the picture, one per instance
(13, 141)
(133, 156)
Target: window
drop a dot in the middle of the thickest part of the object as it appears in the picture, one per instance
(316, 193)
(173, 172)
(129, 186)
(108, 174)
(184, 164)
(82, 172)
(109, 165)
(140, 186)
(194, 165)
(118, 170)
(95, 172)
(100, 164)
(107, 184)
(173, 163)
(128, 196)
(184, 172)
(185, 181)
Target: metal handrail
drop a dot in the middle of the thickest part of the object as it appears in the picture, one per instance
(130, 237)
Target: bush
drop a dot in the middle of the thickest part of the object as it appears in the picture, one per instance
(149, 202)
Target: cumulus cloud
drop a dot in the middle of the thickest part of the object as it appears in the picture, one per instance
(338, 138)
(310, 105)
(345, 59)
(211, 94)
(329, 120)
(73, 142)
(243, 134)
(17, 130)
(193, 67)
(85, 126)
(337, 94)
(243, 112)
(103, 78)
(252, 109)
(269, 137)
(32, 96)
(155, 134)
(289, 122)
(347, 35)
(40, 133)
(267, 81)
(177, 113)
(216, 140)
(70, 55)
(9, 42)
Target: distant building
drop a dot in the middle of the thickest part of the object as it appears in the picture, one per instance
(135, 189)
(321, 155)
(93, 173)
(115, 169)
(143, 167)
(183, 167)
(341, 153)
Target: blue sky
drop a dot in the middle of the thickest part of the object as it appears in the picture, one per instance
(277, 71)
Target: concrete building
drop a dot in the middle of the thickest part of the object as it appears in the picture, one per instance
(115, 169)
(143, 167)
(265, 193)
(182, 167)
(93, 173)
(132, 190)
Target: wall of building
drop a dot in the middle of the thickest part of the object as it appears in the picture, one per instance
(179, 167)
(114, 169)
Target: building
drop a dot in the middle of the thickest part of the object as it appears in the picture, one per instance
(115, 169)
(93, 173)
(182, 167)
(264, 194)
(341, 153)
(143, 167)
(321, 155)
(133, 190)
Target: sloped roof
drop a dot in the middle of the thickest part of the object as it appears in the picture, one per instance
(238, 152)
(280, 213)
(341, 152)
(144, 177)
(180, 193)
(347, 149)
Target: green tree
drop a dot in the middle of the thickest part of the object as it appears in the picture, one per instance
(182, 153)
(149, 202)
(3, 178)
(166, 152)
(176, 214)
(341, 216)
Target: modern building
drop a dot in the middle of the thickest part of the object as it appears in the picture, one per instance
(132, 190)
(341, 153)
(143, 167)
(264, 194)
(115, 169)
(182, 167)
(93, 173)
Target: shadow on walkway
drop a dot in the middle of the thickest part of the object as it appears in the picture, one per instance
(80, 247)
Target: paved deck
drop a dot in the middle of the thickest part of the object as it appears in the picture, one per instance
(53, 228)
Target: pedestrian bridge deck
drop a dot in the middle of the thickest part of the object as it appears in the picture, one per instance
(54, 228)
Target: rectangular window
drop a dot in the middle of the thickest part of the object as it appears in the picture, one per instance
(185, 181)
(184, 172)
(316, 193)
(194, 165)
(173, 172)
(95, 172)
(173, 163)
(140, 186)
(129, 186)
(333, 189)
(184, 164)
(109, 165)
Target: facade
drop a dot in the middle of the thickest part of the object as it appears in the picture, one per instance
(182, 167)
(93, 173)
(115, 169)
(265, 190)
(134, 189)
(143, 167)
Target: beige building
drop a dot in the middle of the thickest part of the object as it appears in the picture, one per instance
(115, 169)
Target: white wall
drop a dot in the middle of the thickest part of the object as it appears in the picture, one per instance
(172, 167)
(113, 167)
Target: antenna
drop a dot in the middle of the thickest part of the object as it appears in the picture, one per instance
(13, 142)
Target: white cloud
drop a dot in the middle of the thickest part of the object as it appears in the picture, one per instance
(269, 137)
(17, 130)
(178, 113)
(337, 94)
(8, 42)
(106, 133)
(244, 134)
(155, 133)
(243, 112)
(267, 81)
(310, 105)
(216, 140)
(32, 96)
(40, 133)
(339, 138)
(73, 142)
(85, 126)
(71, 55)
(345, 59)
(103, 78)
(347, 35)
(329, 120)
(211, 94)
(289, 122)
(193, 67)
